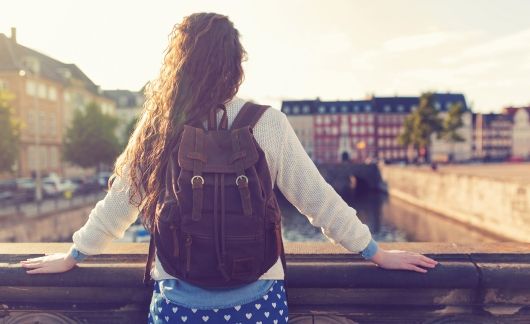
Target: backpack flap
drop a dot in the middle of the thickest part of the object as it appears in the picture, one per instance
(213, 151)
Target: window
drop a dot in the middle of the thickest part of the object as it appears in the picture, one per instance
(356, 108)
(367, 108)
(344, 108)
(52, 93)
(387, 108)
(400, 108)
(353, 118)
(42, 90)
(437, 105)
(306, 109)
(286, 109)
(370, 118)
(413, 107)
(321, 109)
(326, 119)
(333, 109)
(296, 109)
(448, 105)
(370, 129)
(318, 119)
(31, 88)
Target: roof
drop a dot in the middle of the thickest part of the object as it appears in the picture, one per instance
(442, 103)
(487, 119)
(12, 56)
(125, 98)
(511, 111)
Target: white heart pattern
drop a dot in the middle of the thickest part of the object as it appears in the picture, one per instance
(248, 315)
(166, 318)
(287, 319)
(266, 297)
(184, 318)
(227, 317)
(281, 311)
(275, 321)
(167, 301)
(194, 310)
(273, 305)
(279, 296)
(259, 322)
(258, 306)
(175, 309)
(215, 310)
(237, 308)
(266, 314)
(205, 318)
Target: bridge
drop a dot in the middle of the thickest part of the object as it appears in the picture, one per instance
(346, 177)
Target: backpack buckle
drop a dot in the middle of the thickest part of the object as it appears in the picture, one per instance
(242, 177)
(197, 177)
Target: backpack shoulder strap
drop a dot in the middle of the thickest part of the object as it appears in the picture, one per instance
(249, 114)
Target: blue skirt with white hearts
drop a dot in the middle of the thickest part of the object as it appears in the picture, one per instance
(270, 308)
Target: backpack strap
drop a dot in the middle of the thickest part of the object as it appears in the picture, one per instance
(249, 114)
(150, 257)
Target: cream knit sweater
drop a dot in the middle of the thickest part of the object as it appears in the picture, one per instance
(292, 171)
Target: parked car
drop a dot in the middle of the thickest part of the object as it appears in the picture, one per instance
(25, 190)
(7, 190)
(85, 185)
(103, 179)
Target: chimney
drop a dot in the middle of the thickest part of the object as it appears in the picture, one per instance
(14, 34)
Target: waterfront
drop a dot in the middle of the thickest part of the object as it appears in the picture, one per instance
(389, 220)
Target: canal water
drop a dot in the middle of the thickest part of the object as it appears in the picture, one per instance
(389, 220)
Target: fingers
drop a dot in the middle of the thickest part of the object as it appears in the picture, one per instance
(32, 265)
(33, 259)
(414, 268)
(40, 270)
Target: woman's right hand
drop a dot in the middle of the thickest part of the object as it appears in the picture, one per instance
(402, 260)
(50, 263)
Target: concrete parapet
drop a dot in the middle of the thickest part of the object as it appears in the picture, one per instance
(480, 283)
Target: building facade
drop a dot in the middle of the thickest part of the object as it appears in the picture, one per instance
(520, 117)
(46, 93)
(367, 130)
(128, 107)
(492, 136)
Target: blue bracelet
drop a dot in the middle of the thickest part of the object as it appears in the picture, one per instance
(77, 255)
(370, 250)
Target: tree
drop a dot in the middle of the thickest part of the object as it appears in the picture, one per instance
(91, 140)
(9, 133)
(129, 129)
(451, 124)
(420, 125)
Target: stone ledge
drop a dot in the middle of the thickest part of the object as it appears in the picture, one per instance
(483, 282)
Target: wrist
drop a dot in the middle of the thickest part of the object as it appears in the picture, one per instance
(370, 250)
(76, 255)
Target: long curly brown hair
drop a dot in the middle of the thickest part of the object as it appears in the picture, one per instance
(202, 68)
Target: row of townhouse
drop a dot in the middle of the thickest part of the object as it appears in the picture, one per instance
(46, 94)
(367, 130)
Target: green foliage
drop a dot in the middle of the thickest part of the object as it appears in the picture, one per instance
(9, 133)
(452, 123)
(129, 129)
(91, 139)
(421, 124)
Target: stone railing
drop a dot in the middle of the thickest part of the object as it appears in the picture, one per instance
(482, 283)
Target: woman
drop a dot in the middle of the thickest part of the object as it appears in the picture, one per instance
(202, 69)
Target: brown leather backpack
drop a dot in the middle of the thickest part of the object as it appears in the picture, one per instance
(219, 222)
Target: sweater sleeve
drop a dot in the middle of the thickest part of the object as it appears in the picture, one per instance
(302, 184)
(108, 220)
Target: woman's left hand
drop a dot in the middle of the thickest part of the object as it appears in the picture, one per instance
(52, 263)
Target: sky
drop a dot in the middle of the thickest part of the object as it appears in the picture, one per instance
(302, 49)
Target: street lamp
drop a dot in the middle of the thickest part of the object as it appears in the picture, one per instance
(38, 175)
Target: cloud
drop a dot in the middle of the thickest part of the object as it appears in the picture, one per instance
(421, 41)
